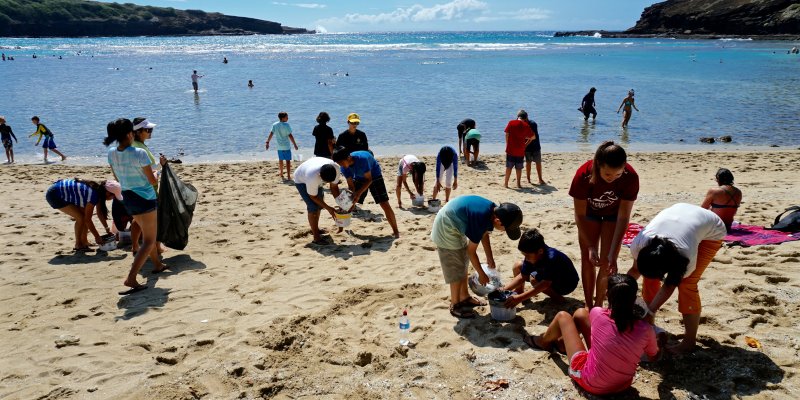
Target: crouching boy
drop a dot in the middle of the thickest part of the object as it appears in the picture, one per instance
(550, 271)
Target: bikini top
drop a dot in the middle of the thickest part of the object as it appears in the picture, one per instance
(731, 197)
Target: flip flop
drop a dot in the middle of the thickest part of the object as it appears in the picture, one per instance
(528, 339)
(132, 290)
(82, 249)
(471, 302)
(462, 312)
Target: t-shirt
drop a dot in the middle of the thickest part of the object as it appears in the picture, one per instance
(685, 225)
(282, 130)
(603, 198)
(195, 77)
(353, 141)
(463, 218)
(534, 145)
(588, 101)
(308, 174)
(6, 133)
(614, 356)
(140, 145)
(439, 165)
(74, 192)
(405, 163)
(553, 266)
(473, 134)
(518, 132)
(363, 162)
(322, 133)
(127, 166)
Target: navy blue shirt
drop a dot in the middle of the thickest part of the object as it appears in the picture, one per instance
(534, 145)
(553, 266)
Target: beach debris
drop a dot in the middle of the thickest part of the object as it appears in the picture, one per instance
(67, 340)
(707, 139)
(363, 358)
(493, 386)
(725, 139)
(752, 342)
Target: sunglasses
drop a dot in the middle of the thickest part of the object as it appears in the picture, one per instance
(353, 123)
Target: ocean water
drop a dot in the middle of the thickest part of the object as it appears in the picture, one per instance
(411, 90)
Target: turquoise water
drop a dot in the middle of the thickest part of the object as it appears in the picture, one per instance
(411, 89)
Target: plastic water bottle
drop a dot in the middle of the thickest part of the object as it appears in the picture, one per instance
(405, 327)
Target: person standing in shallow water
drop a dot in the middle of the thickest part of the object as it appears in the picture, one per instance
(625, 106)
(587, 105)
(195, 78)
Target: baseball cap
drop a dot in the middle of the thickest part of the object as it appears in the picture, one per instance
(145, 124)
(114, 188)
(353, 117)
(511, 217)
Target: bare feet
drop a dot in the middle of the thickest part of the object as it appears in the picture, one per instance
(542, 183)
(682, 348)
(63, 158)
(397, 235)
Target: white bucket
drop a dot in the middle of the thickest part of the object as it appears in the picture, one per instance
(434, 205)
(298, 157)
(418, 201)
(497, 308)
(345, 200)
(108, 246)
(343, 220)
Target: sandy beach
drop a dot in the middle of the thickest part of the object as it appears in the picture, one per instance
(252, 310)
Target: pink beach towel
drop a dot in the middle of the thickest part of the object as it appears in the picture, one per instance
(633, 230)
(751, 235)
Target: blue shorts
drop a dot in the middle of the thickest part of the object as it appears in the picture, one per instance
(49, 143)
(285, 155)
(310, 205)
(137, 205)
(54, 198)
(514, 162)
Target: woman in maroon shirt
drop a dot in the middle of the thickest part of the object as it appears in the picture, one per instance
(603, 192)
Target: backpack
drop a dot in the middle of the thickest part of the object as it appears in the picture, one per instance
(789, 223)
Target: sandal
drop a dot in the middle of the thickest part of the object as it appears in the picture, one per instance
(528, 339)
(462, 312)
(472, 302)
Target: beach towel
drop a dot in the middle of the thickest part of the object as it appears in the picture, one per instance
(630, 233)
(751, 235)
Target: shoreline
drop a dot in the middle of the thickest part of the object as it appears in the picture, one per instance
(676, 35)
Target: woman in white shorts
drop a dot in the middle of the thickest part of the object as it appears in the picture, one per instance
(446, 172)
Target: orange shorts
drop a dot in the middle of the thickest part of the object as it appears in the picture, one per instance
(576, 366)
(688, 294)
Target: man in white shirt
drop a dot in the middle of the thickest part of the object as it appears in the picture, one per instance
(195, 78)
(309, 178)
(676, 247)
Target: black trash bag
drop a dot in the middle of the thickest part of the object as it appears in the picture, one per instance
(176, 201)
(790, 223)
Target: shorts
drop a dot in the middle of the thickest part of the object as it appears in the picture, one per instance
(589, 110)
(120, 215)
(137, 205)
(8, 144)
(473, 145)
(446, 176)
(688, 293)
(454, 264)
(400, 169)
(194, 85)
(54, 198)
(565, 288)
(49, 143)
(377, 188)
(601, 218)
(285, 155)
(514, 162)
(311, 206)
(533, 156)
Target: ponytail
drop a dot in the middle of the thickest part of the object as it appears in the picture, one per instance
(117, 130)
(610, 155)
(622, 290)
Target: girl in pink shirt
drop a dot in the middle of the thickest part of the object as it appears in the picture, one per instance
(615, 340)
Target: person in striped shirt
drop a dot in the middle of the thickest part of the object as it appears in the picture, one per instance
(80, 199)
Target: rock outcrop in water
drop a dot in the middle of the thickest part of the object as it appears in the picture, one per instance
(765, 19)
(79, 18)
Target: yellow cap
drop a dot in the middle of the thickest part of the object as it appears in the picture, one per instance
(353, 118)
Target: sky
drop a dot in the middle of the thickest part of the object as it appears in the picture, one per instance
(427, 15)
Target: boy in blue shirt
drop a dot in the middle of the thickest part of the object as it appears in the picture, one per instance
(283, 135)
(550, 271)
(364, 173)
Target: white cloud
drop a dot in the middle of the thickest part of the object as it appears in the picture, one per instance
(301, 5)
(525, 14)
(455, 9)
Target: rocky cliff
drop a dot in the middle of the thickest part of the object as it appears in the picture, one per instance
(76, 18)
(720, 17)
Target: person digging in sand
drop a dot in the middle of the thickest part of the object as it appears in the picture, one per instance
(79, 198)
(309, 178)
(459, 227)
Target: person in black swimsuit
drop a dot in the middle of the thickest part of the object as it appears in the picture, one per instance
(725, 199)
(587, 105)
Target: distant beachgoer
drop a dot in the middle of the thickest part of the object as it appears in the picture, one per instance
(462, 128)
(725, 199)
(446, 172)
(4, 56)
(625, 106)
(676, 247)
(364, 174)
(518, 136)
(615, 340)
(7, 134)
(472, 141)
(588, 104)
(49, 143)
(410, 164)
(283, 135)
(603, 192)
(533, 153)
(458, 229)
(549, 271)
(195, 78)
(309, 178)
(79, 199)
(131, 167)
(324, 141)
(250, 83)
(353, 139)
(224, 60)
